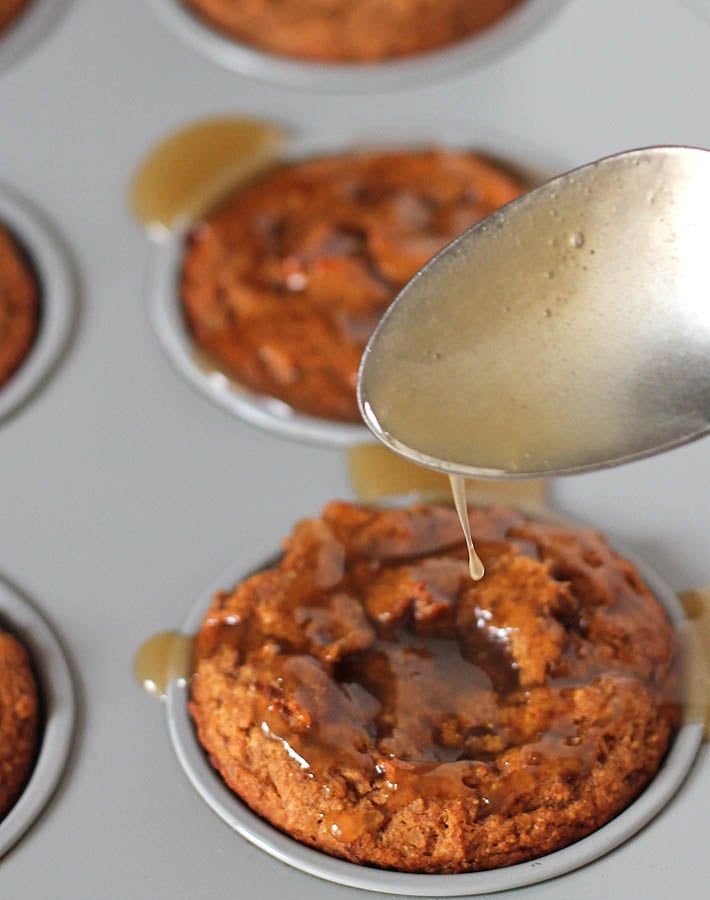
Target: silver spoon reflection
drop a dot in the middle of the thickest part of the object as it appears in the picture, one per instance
(568, 331)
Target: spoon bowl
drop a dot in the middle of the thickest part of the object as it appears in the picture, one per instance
(569, 331)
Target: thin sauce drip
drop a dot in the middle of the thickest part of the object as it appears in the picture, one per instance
(458, 490)
(194, 167)
(163, 658)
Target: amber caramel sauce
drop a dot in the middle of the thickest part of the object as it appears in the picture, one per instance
(695, 635)
(161, 659)
(193, 168)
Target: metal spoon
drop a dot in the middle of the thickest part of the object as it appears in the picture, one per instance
(568, 331)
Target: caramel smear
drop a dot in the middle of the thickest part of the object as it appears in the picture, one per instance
(189, 171)
(695, 635)
(163, 658)
(376, 472)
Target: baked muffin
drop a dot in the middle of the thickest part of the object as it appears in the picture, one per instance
(9, 11)
(19, 720)
(284, 283)
(19, 306)
(353, 31)
(369, 699)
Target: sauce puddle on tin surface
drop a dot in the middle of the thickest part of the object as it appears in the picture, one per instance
(695, 641)
(163, 658)
(195, 167)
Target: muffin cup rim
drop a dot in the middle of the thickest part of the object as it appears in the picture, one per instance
(58, 705)
(513, 28)
(210, 786)
(37, 238)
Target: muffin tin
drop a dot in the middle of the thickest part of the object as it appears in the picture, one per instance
(210, 786)
(346, 77)
(121, 489)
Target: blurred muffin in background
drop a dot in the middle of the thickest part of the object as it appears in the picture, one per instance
(283, 284)
(19, 720)
(19, 306)
(349, 31)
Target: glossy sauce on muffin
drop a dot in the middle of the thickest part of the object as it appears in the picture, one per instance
(19, 720)
(349, 30)
(19, 306)
(369, 699)
(284, 283)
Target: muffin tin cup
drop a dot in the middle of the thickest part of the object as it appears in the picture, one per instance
(453, 59)
(165, 264)
(58, 706)
(259, 832)
(30, 27)
(53, 273)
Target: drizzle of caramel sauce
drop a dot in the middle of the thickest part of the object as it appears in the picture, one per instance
(193, 168)
(458, 491)
(161, 659)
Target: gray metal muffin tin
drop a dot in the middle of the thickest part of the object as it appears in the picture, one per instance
(122, 491)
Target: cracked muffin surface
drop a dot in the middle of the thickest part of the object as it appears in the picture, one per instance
(355, 31)
(19, 306)
(19, 720)
(283, 284)
(367, 698)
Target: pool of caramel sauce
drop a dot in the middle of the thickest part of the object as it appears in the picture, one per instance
(163, 658)
(193, 168)
(695, 642)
